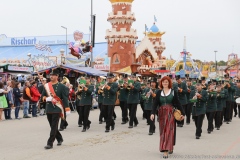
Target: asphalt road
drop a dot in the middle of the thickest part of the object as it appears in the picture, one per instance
(25, 140)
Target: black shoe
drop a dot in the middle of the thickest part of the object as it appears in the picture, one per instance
(48, 147)
(59, 143)
(178, 125)
(235, 115)
(135, 125)
(165, 157)
(150, 133)
(197, 137)
(187, 123)
(84, 130)
(80, 125)
(112, 127)
(227, 122)
(218, 128)
(26, 116)
(170, 152)
(130, 126)
(100, 122)
(107, 130)
(35, 116)
(123, 122)
(154, 131)
(209, 132)
(88, 127)
(64, 127)
(61, 129)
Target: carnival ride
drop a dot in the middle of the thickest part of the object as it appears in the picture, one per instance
(186, 56)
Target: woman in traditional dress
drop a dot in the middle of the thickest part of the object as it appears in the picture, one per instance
(166, 100)
(3, 100)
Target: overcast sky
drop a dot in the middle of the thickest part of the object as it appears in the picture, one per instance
(208, 24)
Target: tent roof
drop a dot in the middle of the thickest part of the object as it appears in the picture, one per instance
(88, 70)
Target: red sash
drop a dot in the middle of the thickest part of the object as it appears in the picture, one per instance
(56, 100)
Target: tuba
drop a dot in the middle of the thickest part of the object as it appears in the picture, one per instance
(65, 80)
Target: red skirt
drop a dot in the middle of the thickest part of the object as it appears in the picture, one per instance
(167, 128)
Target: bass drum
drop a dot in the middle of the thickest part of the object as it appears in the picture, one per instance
(237, 100)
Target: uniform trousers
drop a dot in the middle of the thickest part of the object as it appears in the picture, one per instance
(108, 113)
(198, 124)
(101, 114)
(80, 119)
(227, 111)
(132, 113)
(144, 112)
(210, 116)
(85, 110)
(217, 119)
(188, 110)
(123, 105)
(53, 120)
(152, 126)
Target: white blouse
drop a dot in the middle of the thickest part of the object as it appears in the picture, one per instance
(162, 94)
(1, 90)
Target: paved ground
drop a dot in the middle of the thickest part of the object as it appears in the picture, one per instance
(24, 140)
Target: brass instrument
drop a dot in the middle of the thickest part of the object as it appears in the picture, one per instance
(129, 86)
(101, 87)
(65, 80)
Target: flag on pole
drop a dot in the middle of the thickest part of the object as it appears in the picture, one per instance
(146, 28)
(155, 19)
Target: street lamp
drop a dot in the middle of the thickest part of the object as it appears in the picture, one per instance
(215, 62)
(66, 38)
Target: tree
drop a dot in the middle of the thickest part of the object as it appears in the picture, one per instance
(222, 63)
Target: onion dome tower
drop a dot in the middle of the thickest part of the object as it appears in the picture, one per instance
(121, 38)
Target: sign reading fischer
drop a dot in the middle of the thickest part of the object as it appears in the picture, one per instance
(23, 41)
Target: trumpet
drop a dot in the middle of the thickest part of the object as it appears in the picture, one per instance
(129, 86)
(101, 88)
(81, 87)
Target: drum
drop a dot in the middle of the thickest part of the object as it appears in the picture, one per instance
(237, 100)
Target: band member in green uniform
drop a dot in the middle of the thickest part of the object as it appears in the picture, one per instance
(123, 93)
(189, 105)
(78, 93)
(211, 106)
(233, 103)
(99, 92)
(150, 94)
(204, 84)
(133, 100)
(182, 91)
(237, 95)
(199, 107)
(142, 101)
(55, 95)
(220, 98)
(86, 103)
(109, 99)
(229, 87)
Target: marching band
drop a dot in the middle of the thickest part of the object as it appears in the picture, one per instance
(215, 99)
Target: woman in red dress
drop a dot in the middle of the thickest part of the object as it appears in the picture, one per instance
(166, 100)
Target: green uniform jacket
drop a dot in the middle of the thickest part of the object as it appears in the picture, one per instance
(199, 107)
(192, 88)
(110, 96)
(123, 94)
(220, 97)
(143, 95)
(230, 91)
(100, 96)
(182, 95)
(211, 103)
(233, 92)
(78, 97)
(86, 96)
(175, 86)
(224, 100)
(237, 93)
(205, 88)
(149, 101)
(133, 94)
(62, 92)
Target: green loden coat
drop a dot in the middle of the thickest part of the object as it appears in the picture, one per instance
(110, 96)
(86, 96)
(148, 104)
(123, 94)
(220, 97)
(199, 107)
(182, 95)
(133, 94)
(211, 102)
(62, 92)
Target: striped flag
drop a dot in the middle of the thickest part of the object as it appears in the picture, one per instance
(43, 47)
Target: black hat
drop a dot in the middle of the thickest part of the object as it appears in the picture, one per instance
(203, 78)
(199, 81)
(134, 74)
(226, 76)
(238, 81)
(110, 75)
(159, 76)
(178, 77)
(187, 75)
(190, 79)
(125, 76)
(214, 80)
(170, 76)
(154, 79)
(55, 72)
(210, 82)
